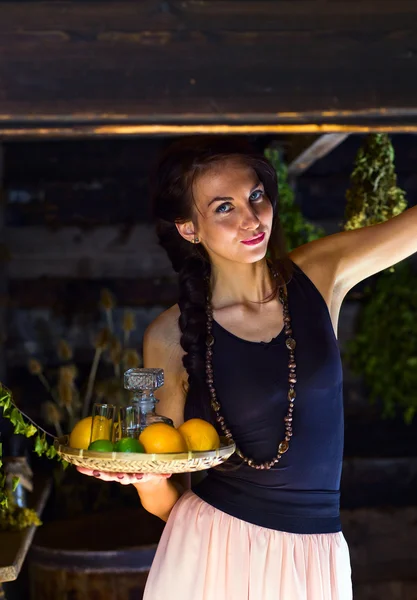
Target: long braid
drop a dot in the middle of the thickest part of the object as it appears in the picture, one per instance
(192, 322)
(193, 269)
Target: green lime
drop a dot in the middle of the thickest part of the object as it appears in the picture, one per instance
(128, 444)
(101, 446)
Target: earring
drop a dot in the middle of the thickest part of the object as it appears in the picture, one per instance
(196, 240)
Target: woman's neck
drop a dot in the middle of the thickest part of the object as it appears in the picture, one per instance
(241, 284)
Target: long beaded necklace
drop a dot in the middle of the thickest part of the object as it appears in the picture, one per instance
(292, 379)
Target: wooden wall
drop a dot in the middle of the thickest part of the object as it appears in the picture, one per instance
(109, 68)
(78, 220)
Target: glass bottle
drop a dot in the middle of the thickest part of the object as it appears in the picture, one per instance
(143, 383)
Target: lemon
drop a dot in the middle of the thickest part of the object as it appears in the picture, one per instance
(159, 438)
(200, 435)
(80, 435)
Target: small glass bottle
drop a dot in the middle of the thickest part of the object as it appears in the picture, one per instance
(143, 382)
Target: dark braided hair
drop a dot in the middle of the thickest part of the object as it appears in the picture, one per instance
(172, 198)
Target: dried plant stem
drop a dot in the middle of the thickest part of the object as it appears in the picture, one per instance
(109, 318)
(58, 428)
(72, 417)
(44, 382)
(91, 380)
(46, 385)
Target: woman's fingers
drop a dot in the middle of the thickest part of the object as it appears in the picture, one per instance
(86, 471)
(124, 478)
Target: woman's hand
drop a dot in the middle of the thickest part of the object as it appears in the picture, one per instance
(126, 478)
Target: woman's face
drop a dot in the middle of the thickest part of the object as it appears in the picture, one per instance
(231, 207)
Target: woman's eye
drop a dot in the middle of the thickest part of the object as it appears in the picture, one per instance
(256, 195)
(218, 209)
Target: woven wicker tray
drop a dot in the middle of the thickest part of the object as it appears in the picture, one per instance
(132, 462)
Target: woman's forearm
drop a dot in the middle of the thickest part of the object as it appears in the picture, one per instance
(159, 497)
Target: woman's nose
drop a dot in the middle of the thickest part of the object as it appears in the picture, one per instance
(250, 219)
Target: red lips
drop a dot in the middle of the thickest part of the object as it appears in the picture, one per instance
(257, 240)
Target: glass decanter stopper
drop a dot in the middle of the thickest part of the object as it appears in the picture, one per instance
(143, 382)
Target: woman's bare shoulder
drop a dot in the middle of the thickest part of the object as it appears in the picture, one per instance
(165, 328)
(162, 350)
(322, 272)
(318, 268)
(161, 341)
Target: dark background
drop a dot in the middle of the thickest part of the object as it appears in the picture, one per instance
(89, 92)
(77, 218)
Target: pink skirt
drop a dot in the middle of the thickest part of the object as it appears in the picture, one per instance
(205, 554)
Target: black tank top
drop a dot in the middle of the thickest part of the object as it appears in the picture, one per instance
(301, 493)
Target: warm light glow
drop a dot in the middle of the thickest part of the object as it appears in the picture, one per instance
(102, 124)
(86, 130)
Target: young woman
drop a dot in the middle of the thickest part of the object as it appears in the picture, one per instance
(251, 346)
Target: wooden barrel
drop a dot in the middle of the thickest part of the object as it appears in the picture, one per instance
(96, 557)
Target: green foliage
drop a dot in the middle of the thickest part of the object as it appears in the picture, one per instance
(373, 196)
(16, 518)
(384, 350)
(298, 230)
(11, 515)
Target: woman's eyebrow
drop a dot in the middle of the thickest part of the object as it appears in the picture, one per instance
(228, 198)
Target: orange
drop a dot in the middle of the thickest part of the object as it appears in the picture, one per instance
(80, 435)
(159, 438)
(200, 435)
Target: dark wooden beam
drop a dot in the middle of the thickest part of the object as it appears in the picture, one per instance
(318, 149)
(160, 68)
